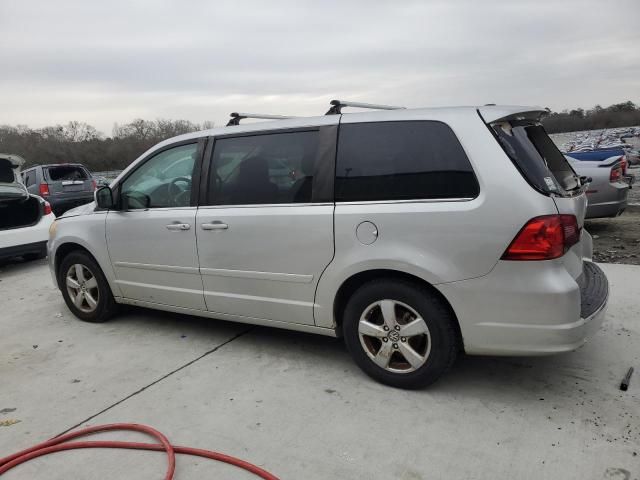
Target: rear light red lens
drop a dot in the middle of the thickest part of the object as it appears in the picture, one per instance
(544, 238)
(623, 164)
(616, 174)
(94, 184)
(47, 208)
(44, 189)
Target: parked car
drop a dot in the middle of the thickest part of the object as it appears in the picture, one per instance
(101, 181)
(413, 233)
(597, 154)
(24, 218)
(608, 186)
(64, 185)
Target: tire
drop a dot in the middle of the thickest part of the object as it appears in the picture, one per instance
(97, 304)
(381, 307)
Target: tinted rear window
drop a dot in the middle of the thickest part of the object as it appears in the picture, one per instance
(537, 157)
(66, 172)
(402, 161)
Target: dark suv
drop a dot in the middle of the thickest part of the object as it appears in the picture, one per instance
(64, 186)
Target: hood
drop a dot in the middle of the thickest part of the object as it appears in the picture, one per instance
(81, 210)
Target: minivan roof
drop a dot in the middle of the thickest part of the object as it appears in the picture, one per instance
(490, 113)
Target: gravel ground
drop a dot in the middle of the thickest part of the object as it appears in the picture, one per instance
(616, 240)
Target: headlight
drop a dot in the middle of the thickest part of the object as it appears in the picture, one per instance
(52, 228)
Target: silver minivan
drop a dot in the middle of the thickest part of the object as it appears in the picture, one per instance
(415, 234)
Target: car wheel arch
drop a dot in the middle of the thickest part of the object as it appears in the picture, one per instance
(351, 284)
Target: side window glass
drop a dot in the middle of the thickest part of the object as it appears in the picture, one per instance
(263, 169)
(29, 178)
(402, 161)
(163, 181)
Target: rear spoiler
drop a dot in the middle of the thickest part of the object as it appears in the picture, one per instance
(502, 113)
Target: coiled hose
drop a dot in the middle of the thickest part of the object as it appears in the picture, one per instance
(62, 443)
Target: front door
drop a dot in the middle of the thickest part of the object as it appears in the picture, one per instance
(152, 237)
(266, 233)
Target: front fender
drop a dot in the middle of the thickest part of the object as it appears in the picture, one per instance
(87, 231)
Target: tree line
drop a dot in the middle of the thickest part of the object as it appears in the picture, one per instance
(78, 142)
(626, 114)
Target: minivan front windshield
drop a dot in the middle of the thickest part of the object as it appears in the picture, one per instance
(537, 157)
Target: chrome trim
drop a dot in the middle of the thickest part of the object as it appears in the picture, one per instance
(261, 205)
(275, 276)
(161, 268)
(299, 327)
(422, 200)
(258, 299)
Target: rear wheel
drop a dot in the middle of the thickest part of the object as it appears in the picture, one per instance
(85, 288)
(400, 333)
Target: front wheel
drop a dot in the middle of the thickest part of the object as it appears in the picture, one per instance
(85, 288)
(400, 333)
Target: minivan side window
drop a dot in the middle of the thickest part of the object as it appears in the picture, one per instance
(402, 160)
(163, 181)
(263, 169)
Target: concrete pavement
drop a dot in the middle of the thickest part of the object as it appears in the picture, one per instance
(295, 403)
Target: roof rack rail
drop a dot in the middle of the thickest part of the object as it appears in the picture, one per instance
(336, 106)
(236, 117)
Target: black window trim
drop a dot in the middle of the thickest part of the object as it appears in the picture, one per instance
(323, 175)
(409, 200)
(197, 166)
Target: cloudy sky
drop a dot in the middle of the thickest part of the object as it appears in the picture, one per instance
(116, 60)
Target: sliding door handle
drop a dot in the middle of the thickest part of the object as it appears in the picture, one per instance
(178, 226)
(215, 226)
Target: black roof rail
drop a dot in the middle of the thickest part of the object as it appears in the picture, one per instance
(336, 106)
(236, 117)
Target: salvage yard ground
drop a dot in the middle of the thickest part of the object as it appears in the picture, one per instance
(297, 405)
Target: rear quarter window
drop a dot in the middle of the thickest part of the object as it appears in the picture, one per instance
(402, 161)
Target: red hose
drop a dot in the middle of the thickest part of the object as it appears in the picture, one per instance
(60, 444)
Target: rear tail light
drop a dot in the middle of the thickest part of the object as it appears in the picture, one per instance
(616, 174)
(47, 208)
(623, 164)
(44, 189)
(544, 238)
(94, 184)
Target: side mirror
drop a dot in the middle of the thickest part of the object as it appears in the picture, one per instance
(104, 198)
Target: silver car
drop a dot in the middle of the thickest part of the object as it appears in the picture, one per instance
(415, 234)
(608, 185)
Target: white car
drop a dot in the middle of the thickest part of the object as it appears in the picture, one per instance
(24, 219)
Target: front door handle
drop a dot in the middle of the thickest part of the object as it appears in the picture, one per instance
(178, 226)
(217, 225)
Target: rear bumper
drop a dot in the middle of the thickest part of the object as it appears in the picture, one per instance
(538, 310)
(32, 239)
(609, 201)
(38, 248)
(606, 209)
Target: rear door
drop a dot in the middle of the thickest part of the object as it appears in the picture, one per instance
(548, 171)
(68, 180)
(265, 224)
